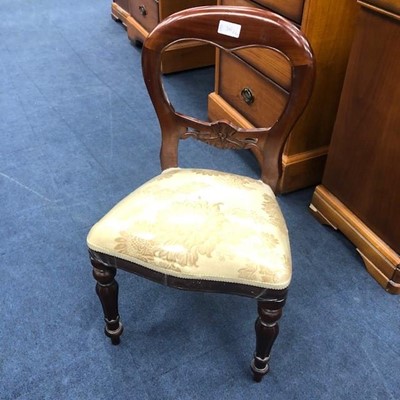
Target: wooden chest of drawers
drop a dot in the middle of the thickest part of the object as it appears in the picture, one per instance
(252, 91)
(120, 10)
(360, 191)
(141, 16)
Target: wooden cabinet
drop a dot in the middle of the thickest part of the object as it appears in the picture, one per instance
(264, 78)
(144, 15)
(360, 191)
(120, 10)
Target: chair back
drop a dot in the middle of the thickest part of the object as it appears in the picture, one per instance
(230, 29)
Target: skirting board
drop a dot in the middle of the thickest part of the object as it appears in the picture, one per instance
(298, 170)
(380, 260)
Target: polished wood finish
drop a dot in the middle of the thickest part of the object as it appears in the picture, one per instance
(261, 94)
(382, 262)
(329, 26)
(390, 8)
(362, 172)
(146, 14)
(124, 4)
(267, 143)
(268, 63)
(267, 330)
(202, 24)
(275, 298)
(107, 291)
(120, 10)
(291, 9)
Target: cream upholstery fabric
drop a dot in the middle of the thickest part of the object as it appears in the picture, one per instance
(200, 224)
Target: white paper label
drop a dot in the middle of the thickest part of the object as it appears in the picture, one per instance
(229, 28)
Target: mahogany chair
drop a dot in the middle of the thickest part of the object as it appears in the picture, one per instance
(199, 229)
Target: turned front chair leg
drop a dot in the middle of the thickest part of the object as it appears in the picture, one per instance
(267, 330)
(107, 291)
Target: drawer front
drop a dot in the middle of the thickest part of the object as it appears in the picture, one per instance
(258, 99)
(292, 9)
(168, 7)
(270, 63)
(145, 12)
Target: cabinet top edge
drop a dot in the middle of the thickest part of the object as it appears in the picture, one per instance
(390, 8)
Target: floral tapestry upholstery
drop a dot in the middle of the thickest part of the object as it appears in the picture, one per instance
(200, 224)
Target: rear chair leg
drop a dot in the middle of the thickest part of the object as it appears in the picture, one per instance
(267, 330)
(107, 291)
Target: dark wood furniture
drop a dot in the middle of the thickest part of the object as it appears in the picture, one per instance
(360, 191)
(137, 235)
(141, 16)
(264, 78)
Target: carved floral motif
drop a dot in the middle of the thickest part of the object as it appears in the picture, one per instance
(224, 135)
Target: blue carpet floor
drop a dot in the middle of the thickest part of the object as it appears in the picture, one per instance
(77, 134)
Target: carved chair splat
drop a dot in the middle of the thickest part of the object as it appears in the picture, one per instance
(254, 259)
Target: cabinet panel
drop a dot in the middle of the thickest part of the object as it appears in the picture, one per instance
(362, 166)
(360, 191)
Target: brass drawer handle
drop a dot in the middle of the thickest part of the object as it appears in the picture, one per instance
(143, 10)
(247, 95)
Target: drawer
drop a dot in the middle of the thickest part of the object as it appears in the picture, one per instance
(268, 99)
(292, 9)
(145, 12)
(270, 63)
(168, 7)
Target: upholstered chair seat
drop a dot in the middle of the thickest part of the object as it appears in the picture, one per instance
(200, 224)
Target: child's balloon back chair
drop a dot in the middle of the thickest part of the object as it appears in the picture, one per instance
(199, 229)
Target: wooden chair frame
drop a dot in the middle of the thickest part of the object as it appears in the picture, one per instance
(257, 28)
